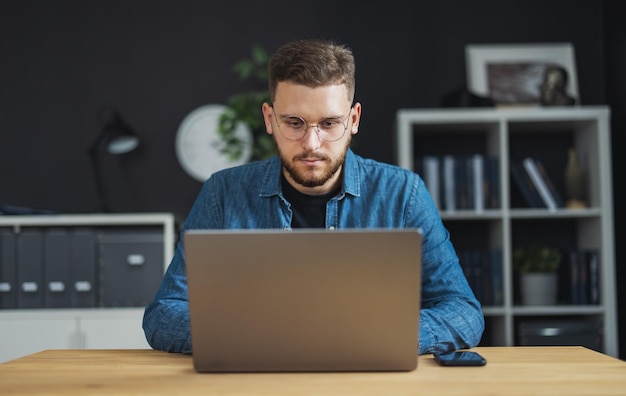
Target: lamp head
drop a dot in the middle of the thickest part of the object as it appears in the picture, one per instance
(120, 139)
(117, 137)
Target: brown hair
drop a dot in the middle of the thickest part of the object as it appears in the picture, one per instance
(313, 63)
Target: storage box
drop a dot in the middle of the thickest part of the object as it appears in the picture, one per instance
(131, 267)
(560, 331)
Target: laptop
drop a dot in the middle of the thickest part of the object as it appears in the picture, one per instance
(304, 300)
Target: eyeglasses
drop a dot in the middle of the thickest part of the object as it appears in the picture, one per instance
(330, 129)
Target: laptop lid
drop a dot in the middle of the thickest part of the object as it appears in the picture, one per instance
(304, 300)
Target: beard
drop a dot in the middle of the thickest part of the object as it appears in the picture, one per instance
(309, 178)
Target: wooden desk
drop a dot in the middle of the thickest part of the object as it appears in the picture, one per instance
(509, 371)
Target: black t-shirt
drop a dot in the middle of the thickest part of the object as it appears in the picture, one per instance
(309, 211)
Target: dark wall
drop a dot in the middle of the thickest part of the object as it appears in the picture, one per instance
(157, 60)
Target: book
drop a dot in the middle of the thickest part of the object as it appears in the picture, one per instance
(476, 272)
(462, 177)
(492, 182)
(533, 172)
(480, 274)
(449, 185)
(558, 200)
(497, 280)
(583, 278)
(430, 173)
(593, 267)
(478, 181)
(578, 277)
(526, 186)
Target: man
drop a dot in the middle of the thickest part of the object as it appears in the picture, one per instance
(316, 180)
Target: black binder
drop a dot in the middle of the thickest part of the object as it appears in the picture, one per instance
(57, 268)
(8, 270)
(83, 268)
(30, 269)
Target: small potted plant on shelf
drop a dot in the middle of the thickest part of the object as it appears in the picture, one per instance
(537, 267)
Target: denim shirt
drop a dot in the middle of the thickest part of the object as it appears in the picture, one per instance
(373, 195)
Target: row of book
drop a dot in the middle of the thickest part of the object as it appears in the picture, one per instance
(579, 276)
(461, 182)
(483, 271)
(535, 184)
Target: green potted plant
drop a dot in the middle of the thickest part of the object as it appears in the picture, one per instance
(536, 258)
(246, 107)
(537, 267)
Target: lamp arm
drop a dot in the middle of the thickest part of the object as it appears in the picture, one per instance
(93, 149)
(97, 176)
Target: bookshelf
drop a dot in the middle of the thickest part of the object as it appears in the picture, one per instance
(510, 221)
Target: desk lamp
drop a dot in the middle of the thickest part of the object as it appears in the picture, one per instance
(117, 138)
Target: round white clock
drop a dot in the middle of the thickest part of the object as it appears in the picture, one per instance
(198, 144)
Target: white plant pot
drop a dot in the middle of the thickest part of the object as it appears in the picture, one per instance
(539, 288)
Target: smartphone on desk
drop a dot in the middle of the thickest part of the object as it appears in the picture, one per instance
(460, 358)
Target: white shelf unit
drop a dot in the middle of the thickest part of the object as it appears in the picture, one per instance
(510, 134)
(29, 330)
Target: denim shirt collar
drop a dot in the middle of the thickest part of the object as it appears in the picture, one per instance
(350, 184)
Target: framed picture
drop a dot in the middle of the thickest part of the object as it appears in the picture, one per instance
(523, 74)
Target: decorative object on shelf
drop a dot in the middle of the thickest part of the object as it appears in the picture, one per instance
(245, 108)
(554, 87)
(537, 267)
(462, 97)
(516, 74)
(574, 177)
(117, 138)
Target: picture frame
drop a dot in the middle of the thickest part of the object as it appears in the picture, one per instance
(514, 74)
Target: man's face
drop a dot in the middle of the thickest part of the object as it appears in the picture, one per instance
(312, 164)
